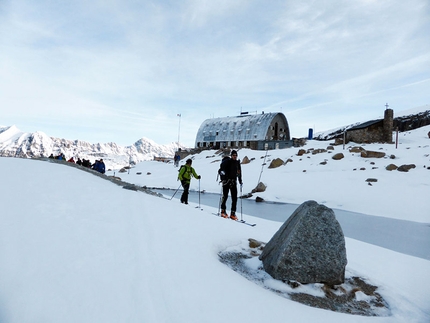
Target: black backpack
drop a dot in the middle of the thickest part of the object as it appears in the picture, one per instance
(222, 168)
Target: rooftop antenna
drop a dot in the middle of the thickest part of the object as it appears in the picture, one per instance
(179, 129)
(386, 106)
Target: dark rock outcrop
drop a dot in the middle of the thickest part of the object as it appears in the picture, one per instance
(413, 121)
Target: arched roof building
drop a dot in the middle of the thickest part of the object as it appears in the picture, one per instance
(255, 131)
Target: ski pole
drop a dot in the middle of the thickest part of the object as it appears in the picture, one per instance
(176, 191)
(199, 194)
(264, 163)
(241, 197)
(219, 205)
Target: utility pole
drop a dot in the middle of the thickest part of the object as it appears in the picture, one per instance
(179, 129)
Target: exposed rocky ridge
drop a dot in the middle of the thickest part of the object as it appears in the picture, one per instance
(15, 143)
(413, 121)
(403, 123)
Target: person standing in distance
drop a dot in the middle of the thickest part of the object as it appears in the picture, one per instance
(185, 173)
(231, 172)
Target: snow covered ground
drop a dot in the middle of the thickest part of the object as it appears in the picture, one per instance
(77, 248)
(338, 184)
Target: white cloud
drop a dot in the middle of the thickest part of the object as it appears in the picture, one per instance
(210, 58)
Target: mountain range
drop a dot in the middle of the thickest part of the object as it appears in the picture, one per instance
(15, 143)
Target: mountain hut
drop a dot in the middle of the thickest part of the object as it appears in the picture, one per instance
(255, 131)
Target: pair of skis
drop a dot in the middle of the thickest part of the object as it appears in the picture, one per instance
(239, 221)
(217, 214)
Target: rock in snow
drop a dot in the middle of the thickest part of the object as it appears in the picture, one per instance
(308, 248)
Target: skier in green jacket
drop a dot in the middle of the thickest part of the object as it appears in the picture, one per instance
(185, 173)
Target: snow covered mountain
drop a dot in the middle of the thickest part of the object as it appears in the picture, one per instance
(15, 143)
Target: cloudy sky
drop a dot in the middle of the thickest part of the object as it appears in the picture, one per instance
(119, 70)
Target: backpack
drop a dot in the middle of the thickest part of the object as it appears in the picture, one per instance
(222, 168)
(179, 170)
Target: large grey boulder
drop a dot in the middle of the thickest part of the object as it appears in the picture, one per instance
(308, 248)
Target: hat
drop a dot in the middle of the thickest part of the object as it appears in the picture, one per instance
(189, 161)
(234, 152)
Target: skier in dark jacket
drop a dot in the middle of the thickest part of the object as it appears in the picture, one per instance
(102, 167)
(99, 166)
(185, 173)
(230, 173)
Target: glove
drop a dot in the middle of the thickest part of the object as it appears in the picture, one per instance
(198, 177)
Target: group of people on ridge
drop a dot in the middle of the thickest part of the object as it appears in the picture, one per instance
(230, 173)
(98, 165)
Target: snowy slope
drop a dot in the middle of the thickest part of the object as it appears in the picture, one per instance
(338, 184)
(87, 250)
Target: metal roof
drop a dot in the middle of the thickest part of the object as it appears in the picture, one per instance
(240, 128)
(365, 124)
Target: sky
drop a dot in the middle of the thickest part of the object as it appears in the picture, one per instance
(117, 71)
(126, 256)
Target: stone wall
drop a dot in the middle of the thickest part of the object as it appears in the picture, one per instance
(381, 131)
(373, 133)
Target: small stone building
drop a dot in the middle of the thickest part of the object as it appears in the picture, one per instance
(380, 130)
(256, 131)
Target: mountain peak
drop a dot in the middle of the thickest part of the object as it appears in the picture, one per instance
(15, 143)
